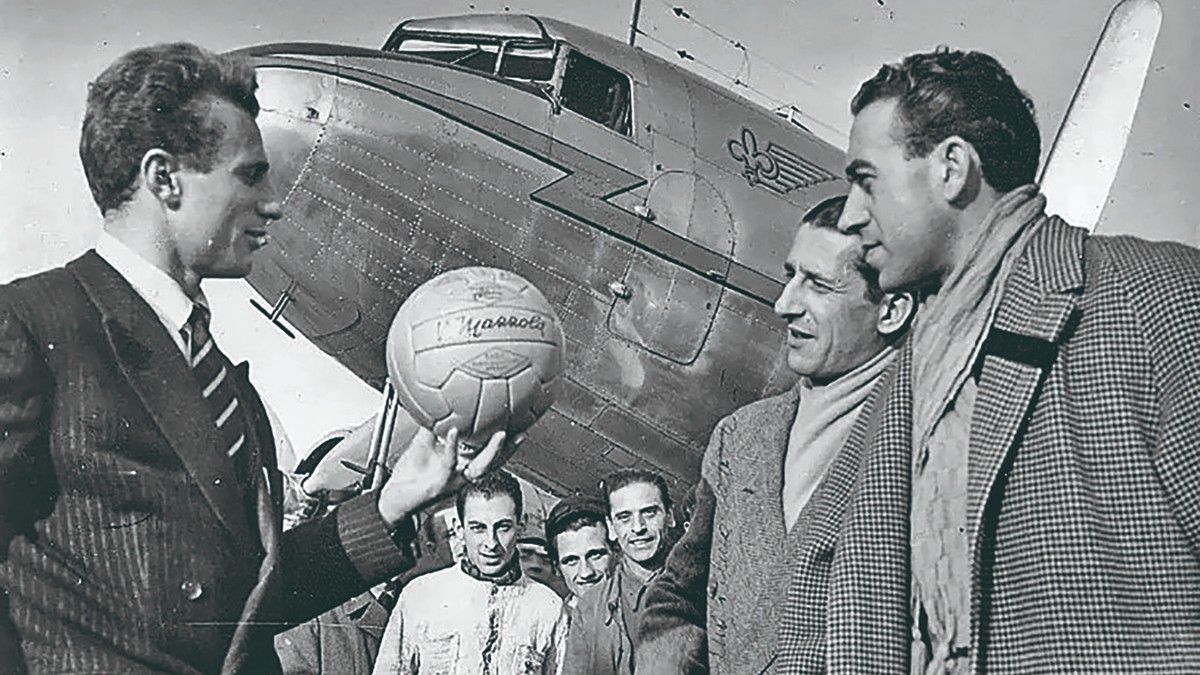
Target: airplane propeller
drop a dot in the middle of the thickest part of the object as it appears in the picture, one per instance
(1086, 153)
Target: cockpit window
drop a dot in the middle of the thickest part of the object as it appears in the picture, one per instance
(479, 56)
(597, 92)
(528, 62)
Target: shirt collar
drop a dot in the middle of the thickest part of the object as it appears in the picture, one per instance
(623, 586)
(156, 287)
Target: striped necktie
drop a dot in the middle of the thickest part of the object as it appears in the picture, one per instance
(214, 374)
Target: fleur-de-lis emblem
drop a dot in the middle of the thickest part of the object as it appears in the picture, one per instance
(757, 166)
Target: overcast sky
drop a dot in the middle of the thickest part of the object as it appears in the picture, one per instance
(809, 53)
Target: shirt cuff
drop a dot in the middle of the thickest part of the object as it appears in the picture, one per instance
(377, 552)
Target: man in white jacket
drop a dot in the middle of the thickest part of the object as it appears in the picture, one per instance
(481, 616)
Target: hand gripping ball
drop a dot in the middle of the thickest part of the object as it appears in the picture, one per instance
(476, 349)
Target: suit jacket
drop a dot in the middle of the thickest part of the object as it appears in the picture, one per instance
(125, 542)
(1083, 466)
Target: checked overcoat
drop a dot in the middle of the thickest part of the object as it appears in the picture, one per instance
(1083, 488)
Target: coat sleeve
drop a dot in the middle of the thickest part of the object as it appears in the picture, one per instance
(335, 558)
(672, 634)
(332, 559)
(26, 474)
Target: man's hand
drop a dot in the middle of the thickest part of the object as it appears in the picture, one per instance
(430, 469)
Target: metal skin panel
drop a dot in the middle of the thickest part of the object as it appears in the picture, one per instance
(392, 182)
(768, 171)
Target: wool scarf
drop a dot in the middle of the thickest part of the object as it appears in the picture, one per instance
(951, 328)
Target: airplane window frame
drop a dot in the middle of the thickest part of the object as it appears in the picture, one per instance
(451, 42)
(560, 78)
(543, 87)
(553, 47)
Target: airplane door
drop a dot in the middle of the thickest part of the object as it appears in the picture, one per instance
(664, 306)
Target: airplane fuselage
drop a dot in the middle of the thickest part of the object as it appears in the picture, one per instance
(651, 207)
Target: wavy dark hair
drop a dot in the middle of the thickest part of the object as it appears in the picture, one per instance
(947, 93)
(493, 484)
(623, 477)
(825, 215)
(157, 97)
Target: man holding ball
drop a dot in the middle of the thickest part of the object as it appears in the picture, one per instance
(140, 503)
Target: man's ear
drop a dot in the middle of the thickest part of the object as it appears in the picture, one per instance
(895, 313)
(956, 170)
(612, 531)
(670, 517)
(158, 171)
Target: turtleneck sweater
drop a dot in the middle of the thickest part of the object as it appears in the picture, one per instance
(824, 416)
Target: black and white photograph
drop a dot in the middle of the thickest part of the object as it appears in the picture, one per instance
(654, 337)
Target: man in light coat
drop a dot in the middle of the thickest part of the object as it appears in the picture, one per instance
(766, 461)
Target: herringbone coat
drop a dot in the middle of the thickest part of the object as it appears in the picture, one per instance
(1083, 489)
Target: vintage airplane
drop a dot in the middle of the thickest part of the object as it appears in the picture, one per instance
(650, 205)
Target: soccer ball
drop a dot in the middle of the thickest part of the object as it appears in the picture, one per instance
(476, 349)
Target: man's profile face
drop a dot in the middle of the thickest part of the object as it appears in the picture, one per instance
(831, 321)
(638, 520)
(490, 531)
(583, 557)
(224, 213)
(893, 203)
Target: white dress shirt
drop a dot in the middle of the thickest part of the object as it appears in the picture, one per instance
(156, 287)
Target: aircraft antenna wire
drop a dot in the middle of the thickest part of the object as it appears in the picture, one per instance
(683, 13)
(685, 55)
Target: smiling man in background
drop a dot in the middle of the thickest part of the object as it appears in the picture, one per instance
(579, 546)
(482, 615)
(606, 620)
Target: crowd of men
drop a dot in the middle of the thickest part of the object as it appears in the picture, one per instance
(989, 463)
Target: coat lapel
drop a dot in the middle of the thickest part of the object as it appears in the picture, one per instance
(150, 360)
(759, 489)
(804, 625)
(255, 629)
(252, 633)
(764, 453)
(1035, 312)
(869, 590)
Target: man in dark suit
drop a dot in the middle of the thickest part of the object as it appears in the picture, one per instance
(761, 475)
(1026, 498)
(140, 504)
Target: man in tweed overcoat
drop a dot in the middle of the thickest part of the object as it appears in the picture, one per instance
(718, 598)
(1026, 498)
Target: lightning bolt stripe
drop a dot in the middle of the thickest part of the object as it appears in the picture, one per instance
(582, 193)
